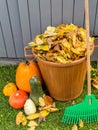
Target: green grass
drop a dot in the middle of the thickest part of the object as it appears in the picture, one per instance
(53, 120)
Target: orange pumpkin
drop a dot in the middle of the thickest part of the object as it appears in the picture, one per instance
(24, 72)
(17, 99)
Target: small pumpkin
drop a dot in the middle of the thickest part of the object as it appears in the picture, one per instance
(9, 88)
(18, 99)
(29, 107)
(24, 72)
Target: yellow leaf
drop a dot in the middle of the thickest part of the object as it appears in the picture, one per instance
(39, 40)
(75, 51)
(45, 107)
(95, 82)
(52, 109)
(42, 47)
(21, 119)
(32, 44)
(43, 113)
(32, 123)
(95, 85)
(31, 128)
(81, 123)
(41, 102)
(24, 120)
(33, 116)
(75, 127)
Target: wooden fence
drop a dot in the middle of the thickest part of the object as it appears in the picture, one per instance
(21, 20)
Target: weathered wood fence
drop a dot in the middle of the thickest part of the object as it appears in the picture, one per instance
(21, 20)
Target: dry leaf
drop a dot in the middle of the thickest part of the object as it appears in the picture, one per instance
(48, 100)
(75, 127)
(53, 105)
(95, 82)
(21, 119)
(31, 128)
(32, 123)
(68, 38)
(45, 107)
(43, 113)
(73, 102)
(41, 119)
(81, 123)
(41, 102)
(95, 85)
(56, 47)
(33, 116)
(24, 120)
(52, 109)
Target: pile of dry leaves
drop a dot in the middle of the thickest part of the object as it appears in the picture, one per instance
(61, 44)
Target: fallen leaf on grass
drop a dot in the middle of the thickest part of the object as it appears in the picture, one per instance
(52, 109)
(33, 116)
(95, 82)
(49, 108)
(43, 113)
(48, 100)
(95, 85)
(32, 128)
(41, 102)
(75, 127)
(73, 102)
(21, 119)
(32, 123)
(81, 123)
(45, 107)
(46, 103)
(41, 119)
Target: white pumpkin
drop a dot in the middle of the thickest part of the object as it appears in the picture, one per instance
(29, 107)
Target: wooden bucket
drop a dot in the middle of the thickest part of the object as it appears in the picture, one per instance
(63, 81)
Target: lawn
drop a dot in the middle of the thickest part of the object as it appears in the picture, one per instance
(53, 120)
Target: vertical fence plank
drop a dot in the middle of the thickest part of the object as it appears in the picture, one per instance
(2, 44)
(56, 8)
(16, 28)
(92, 12)
(45, 14)
(67, 11)
(24, 19)
(79, 12)
(96, 23)
(6, 28)
(34, 17)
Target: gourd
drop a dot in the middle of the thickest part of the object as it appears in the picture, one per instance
(9, 88)
(36, 89)
(18, 99)
(24, 72)
(29, 107)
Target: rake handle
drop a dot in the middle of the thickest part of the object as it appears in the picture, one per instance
(88, 46)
